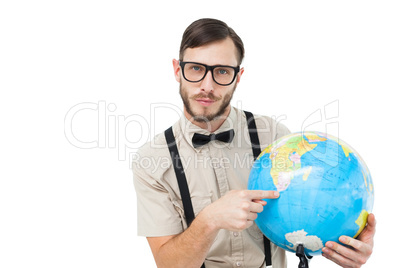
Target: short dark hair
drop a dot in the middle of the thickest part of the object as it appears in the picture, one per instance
(204, 31)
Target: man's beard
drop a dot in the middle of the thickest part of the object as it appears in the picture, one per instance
(205, 117)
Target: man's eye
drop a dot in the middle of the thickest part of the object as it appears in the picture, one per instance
(222, 71)
(196, 68)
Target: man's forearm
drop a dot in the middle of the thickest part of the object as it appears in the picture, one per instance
(189, 248)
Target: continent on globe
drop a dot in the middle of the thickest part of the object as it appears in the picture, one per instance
(288, 158)
(311, 242)
(361, 222)
(326, 191)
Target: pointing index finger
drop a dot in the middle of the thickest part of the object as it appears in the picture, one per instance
(260, 194)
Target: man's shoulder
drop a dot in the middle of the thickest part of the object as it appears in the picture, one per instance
(275, 124)
(156, 146)
(152, 158)
(272, 124)
(154, 154)
(269, 128)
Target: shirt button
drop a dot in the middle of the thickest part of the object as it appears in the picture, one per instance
(238, 264)
(236, 234)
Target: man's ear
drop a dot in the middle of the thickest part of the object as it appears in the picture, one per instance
(239, 75)
(176, 70)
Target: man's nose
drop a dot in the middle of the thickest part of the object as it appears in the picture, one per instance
(207, 83)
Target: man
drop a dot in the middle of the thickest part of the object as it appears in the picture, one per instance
(222, 233)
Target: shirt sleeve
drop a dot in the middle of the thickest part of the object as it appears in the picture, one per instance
(158, 213)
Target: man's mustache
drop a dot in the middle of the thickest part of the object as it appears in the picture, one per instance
(206, 96)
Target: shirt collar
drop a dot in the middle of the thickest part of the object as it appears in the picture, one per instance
(188, 129)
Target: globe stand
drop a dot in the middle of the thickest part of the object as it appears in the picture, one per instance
(304, 259)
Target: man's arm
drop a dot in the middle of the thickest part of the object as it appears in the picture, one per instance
(235, 211)
(187, 249)
(359, 250)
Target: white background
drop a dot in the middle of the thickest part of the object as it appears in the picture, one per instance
(65, 206)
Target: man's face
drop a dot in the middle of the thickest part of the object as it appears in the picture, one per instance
(206, 100)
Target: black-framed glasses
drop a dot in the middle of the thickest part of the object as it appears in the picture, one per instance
(194, 72)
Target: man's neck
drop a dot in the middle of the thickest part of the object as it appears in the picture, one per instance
(212, 125)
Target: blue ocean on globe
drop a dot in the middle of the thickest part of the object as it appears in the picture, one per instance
(326, 191)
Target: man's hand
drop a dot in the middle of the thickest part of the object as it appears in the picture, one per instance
(237, 210)
(359, 249)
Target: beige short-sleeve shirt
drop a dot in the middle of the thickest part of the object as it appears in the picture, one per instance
(211, 170)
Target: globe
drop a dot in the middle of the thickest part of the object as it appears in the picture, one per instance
(325, 189)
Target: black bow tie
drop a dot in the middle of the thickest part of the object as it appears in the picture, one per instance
(200, 139)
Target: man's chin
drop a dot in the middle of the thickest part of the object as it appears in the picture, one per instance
(205, 117)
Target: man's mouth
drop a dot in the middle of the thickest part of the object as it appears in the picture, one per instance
(204, 101)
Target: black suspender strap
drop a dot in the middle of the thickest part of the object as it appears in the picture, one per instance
(252, 131)
(255, 145)
(181, 178)
(180, 175)
(267, 248)
(182, 181)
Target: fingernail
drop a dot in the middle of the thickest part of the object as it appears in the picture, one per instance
(276, 194)
(330, 245)
(342, 239)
